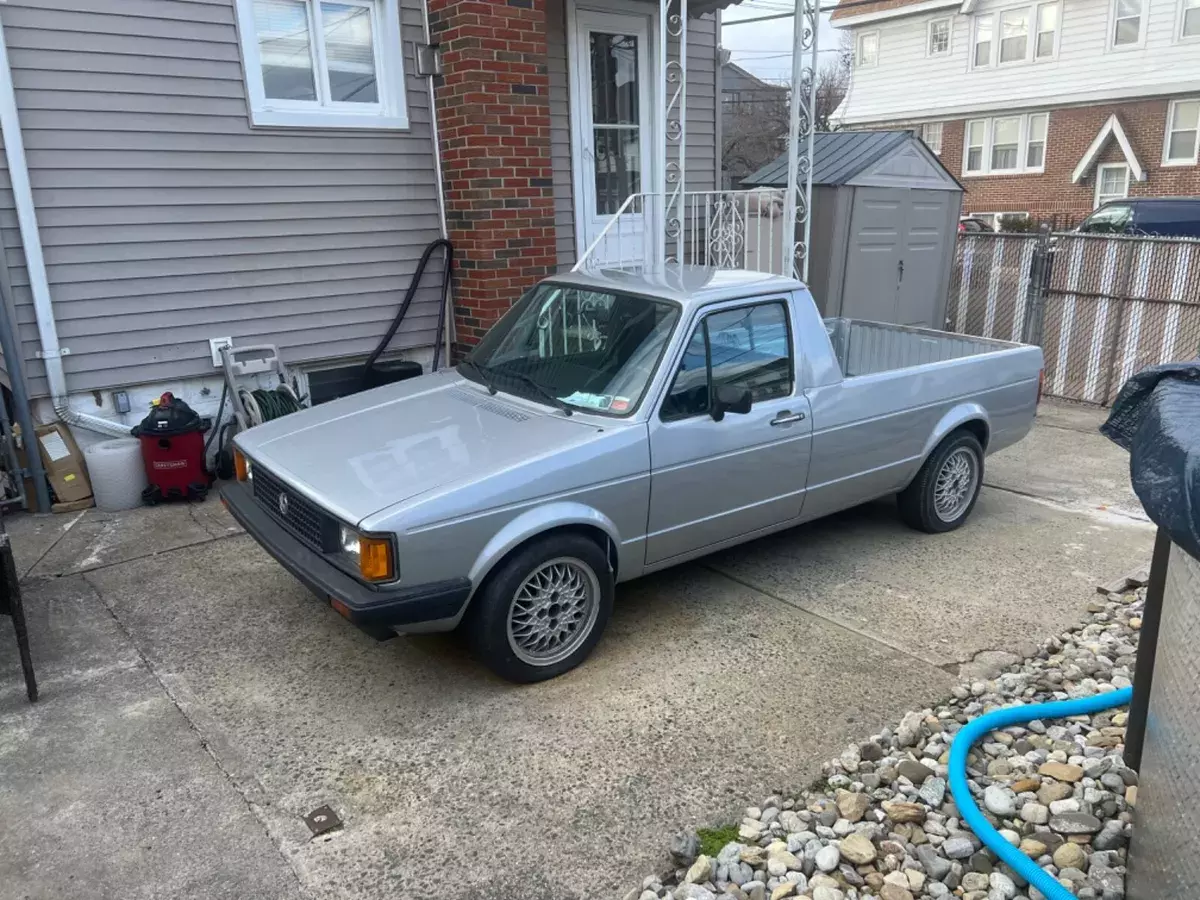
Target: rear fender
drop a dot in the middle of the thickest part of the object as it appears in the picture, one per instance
(534, 522)
(958, 416)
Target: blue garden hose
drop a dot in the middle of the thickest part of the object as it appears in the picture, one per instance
(974, 819)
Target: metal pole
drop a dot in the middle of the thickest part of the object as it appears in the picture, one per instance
(798, 204)
(1143, 670)
(673, 24)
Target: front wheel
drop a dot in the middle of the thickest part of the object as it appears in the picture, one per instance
(543, 610)
(945, 490)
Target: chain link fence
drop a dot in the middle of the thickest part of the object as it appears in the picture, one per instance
(1102, 307)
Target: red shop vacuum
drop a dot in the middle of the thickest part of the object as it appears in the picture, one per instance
(172, 438)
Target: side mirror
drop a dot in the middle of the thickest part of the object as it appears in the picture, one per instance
(729, 399)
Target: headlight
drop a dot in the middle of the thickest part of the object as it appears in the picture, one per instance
(242, 467)
(370, 554)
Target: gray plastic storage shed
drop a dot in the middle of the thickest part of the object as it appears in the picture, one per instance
(884, 223)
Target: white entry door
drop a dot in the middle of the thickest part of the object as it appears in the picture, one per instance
(612, 140)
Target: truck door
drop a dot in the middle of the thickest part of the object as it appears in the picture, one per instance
(719, 474)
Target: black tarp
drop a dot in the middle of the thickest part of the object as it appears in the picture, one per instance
(1156, 417)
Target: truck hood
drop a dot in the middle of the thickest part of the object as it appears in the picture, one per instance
(360, 454)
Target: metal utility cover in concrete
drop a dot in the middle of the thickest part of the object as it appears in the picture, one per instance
(884, 222)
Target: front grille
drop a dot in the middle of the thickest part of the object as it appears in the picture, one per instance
(299, 515)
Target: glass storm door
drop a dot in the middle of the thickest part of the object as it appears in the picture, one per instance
(613, 143)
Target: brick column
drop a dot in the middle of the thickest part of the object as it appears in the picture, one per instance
(493, 114)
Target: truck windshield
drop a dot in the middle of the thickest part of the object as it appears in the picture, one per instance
(589, 350)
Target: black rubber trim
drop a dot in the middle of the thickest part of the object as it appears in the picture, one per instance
(373, 609)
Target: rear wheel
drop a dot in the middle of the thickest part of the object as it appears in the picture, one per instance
(543, 610)
(944, 492)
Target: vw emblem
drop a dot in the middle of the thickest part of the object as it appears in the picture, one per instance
(283, 505)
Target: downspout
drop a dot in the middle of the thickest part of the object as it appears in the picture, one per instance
(20, 393)
(35, 265)
(437, 174)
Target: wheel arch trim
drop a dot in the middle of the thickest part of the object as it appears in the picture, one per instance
(535, 522)
(958, 416)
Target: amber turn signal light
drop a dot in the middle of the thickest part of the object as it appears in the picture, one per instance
(241, 466)
(375, 559)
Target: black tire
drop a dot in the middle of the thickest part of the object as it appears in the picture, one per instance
(488, 618)
(917, 503)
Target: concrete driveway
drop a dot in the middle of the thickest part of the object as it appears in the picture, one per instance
(197, 701)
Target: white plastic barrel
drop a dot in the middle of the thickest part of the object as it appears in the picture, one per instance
(117, 472)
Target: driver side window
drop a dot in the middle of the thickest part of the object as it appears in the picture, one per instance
(748, 348)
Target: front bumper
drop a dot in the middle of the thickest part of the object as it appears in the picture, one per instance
(379, 611)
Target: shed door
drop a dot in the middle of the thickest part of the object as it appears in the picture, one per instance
(924, 237)
(895, 258)
(873, 259)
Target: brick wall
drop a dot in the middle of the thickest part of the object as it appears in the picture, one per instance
(1051, 195)
(493, 114)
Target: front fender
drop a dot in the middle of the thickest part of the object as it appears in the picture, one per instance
(958, 415)
(537, 521)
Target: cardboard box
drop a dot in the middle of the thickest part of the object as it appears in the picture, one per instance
(64, 463)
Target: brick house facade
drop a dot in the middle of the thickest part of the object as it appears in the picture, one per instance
(1051, 195)
(1058, 94)
(493, 112)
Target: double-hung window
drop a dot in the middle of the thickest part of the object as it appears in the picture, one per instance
(1014, 35)
(976, 142)
(982, 51)
(1022, 34)
(1006, 145)
(1189, 19)
(1035, 143)
(939, 37)
(1047, 31)
(931, 134)
(1128, 23)
(867, 50)
(323, 63)
(1182, 140)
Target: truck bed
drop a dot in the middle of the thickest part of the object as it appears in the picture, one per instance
(865, 348)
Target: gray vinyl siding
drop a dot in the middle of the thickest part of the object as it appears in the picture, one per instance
(703, 160)
(166, 219)
(560, 131)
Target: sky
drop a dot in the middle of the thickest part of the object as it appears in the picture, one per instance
(765, 48)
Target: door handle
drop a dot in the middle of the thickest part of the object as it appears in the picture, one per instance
(787, 418)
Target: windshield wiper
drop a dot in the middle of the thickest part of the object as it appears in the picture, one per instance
(480, 371)
(544, 391)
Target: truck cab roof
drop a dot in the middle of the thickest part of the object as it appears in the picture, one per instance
(686, 285)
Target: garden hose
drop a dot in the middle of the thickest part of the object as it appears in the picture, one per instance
(969, 811)
(266, 406)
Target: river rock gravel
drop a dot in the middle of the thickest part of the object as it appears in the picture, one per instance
(880, 822)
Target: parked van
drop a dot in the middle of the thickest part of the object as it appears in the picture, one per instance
(1162, 216)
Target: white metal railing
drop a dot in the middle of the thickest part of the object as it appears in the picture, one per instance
(744, 229)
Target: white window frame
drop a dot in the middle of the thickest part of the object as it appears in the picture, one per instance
(989, 129)
(1031, 12)
(941, 128)
(1096, 201)
(975, 20)
(929, 51)
(1167, 130)
(1111, 41)
(1182, 15)
(858, 54)
(1037, 9)
(391, 112)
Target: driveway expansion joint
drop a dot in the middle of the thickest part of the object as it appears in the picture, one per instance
(205, 741)
(875, 639)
